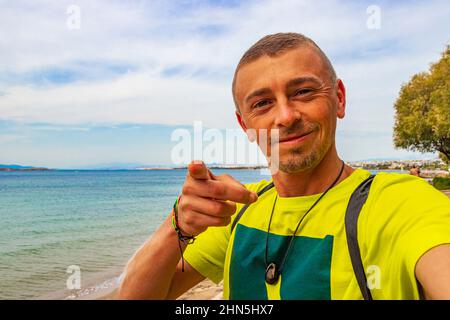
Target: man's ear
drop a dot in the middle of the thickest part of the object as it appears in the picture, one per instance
(340, 92)
(249, 132)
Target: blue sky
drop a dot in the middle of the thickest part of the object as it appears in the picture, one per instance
(115, 89)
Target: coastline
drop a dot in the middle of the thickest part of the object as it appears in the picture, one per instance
(205, 290)
(106, 288)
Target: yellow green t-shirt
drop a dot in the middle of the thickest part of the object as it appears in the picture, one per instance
(402, 218)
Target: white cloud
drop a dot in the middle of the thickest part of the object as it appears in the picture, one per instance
(135, 98)
(153, 36)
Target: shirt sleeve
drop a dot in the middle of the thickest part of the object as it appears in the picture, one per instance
(207, 253)
(407, 217)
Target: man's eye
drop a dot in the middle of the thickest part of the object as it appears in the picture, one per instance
(261, 104)
(302, 92)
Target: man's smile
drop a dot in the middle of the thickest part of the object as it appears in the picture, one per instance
(295, 139)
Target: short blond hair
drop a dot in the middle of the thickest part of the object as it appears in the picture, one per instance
(276, 44)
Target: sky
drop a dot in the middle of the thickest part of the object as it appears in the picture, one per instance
(94, 83)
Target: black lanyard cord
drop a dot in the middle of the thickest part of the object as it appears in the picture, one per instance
(291, 241)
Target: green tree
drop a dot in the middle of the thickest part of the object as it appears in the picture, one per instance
(422, 120)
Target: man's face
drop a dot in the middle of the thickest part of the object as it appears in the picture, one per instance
(293, 93)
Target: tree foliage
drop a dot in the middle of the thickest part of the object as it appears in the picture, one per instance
(422, 120)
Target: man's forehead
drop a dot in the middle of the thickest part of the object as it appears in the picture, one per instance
(293, 63)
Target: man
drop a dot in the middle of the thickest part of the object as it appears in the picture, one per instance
(415, 171)
(291, 241)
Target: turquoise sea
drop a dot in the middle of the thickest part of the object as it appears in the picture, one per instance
(50, 220)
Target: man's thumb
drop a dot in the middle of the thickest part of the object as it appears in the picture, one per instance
(198, 170)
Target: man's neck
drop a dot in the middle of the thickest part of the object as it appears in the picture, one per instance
(312, 181)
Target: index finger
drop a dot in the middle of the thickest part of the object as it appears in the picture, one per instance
(221, 190)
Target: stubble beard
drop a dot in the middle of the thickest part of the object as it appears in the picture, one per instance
(302, 158)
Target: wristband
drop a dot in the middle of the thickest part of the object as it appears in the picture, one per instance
(181, 237)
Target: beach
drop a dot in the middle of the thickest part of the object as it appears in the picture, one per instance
(205, 290)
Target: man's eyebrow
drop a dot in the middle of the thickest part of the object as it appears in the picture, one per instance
(301, 80)
(256, 93)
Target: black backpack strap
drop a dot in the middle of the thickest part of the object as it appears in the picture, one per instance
(241, 212)
(354, 207)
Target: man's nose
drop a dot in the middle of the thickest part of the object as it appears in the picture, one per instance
(287, 114)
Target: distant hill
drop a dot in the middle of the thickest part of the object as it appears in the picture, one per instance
(14, 166)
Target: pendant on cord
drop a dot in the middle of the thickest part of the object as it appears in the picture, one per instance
(272, 273)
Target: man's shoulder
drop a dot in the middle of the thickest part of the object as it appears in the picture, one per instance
(385, 180)
(400, 205)
(397, 187)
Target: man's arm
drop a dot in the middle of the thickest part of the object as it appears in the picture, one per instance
(154, 272)
(433, 273)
